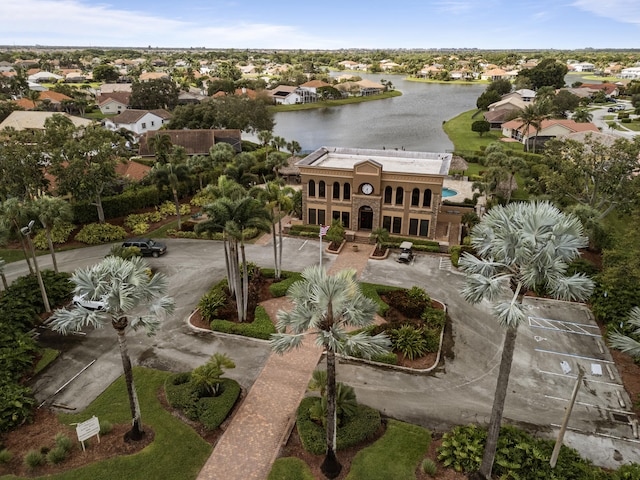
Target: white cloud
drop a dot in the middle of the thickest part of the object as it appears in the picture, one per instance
(70, 22)
(627, 11)
(455, 7)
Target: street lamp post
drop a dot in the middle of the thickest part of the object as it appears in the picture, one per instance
(26, 231)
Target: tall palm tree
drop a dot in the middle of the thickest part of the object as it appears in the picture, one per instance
(52, 211)
(131, 298)
(582, 115)
(326, 306)
(34, 96)
(277, 199)
(233, 217)
(293, 147)
(14, 215)
(529, 245)
(531, 118)
(509, 164)
(162, 147)
(278, 143)
(171, 174)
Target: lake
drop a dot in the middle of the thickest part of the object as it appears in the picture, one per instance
(412, 121)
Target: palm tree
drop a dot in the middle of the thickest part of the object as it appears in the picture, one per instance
(509, 164)
(278, 199)
(233, 217)
(532, 117)
(626, 343)
(326, 306)
(208, 376)
(529, 245)
(34, 96)
(131, 297)
(582, 115)
(380, 235)
(198, 166)
(293, 147)
(52, 211)
(14, 215)
(170, 174)
(278, 143)
(162, 146)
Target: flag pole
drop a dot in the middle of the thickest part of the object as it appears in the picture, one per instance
(320, 246)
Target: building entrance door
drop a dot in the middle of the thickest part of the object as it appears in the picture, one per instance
(365, 218)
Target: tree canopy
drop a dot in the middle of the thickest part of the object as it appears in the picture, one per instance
(154, 94)
(548, 73)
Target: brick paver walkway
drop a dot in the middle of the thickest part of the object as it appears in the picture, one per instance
(253, 439)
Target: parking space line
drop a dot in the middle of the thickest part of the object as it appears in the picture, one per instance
(572, 355)
(611, 384)
(303, 244)
(562, 326)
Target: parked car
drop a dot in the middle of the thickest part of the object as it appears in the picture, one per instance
(81, 301)
(406, 252)
(615, 108)
(147, 246)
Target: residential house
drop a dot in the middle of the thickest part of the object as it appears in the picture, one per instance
(23, 120)
(550, 128)
(285, 95)
(369, 189)
(190, 98)
(388, 65)
(76, 76)
(362, 88)
(631, 73)
(113, 103)
(132, 170)
(138, 121)
(115, 87)
(308, 91)
(582, 67)
(148, 76)
(495, 74)
(195, 142)
(44, 77)
(523, 94)
(351, 65)
(52, 99)
(609, 89)
(504, 110)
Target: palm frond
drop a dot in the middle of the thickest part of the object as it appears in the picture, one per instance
(509, 314)
(73, 320)
(479, 287)
(624, 344)
(284, 342)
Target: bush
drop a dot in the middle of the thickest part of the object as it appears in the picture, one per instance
(434, 318)
(373, 291)
(279, 289)
(5, 456)
(56, 455)
(362, 426)
(34, 459)
(212, 411)
(409, 341)
(124, 252)
(105, 427)
(96, 233)
(16, 405)
(118, 205)
(262, 327)
(429, 467)
(388, 358)
(64, 442)
(211, 302)
(59, 235)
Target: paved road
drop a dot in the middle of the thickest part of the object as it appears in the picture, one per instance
(558, 337)
(599, 120)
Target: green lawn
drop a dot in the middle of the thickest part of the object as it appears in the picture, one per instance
(449, 82)
(290, 468)
(464, 140)
(334, 103)
(177, 452)
(395, 456)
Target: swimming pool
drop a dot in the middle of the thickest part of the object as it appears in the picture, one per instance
(448, 192)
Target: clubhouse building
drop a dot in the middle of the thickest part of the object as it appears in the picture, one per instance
(367, 189)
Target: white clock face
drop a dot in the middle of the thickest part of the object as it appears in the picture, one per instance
(367, 188)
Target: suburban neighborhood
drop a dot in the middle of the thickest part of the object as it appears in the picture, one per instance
(321, 311)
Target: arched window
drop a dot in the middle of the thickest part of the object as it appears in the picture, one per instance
(312, 189)
(336, 190)
(322, 187)
(387, 194)
(346, 191)
(399, 195)
(415, 197)
(426, 201)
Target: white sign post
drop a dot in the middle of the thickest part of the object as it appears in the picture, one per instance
(87, 430)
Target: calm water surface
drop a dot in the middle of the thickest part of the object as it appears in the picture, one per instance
(412, 121)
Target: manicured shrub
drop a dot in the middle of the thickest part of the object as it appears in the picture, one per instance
(59, 235)
(434, 318)
(211, 302)
(56, 455)
(33, 459)
(96, 233)
(280, 288)
(105, 427)
(5, 456)
(16, 405)
(388, 358)
(362, 426)
(212, 411)
(409, 304)
(262, 327)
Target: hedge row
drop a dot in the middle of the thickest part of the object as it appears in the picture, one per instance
(119, 205)
(210, 411)
(21, 305)
(297, 229)
(262, 327)
(280, 288)
(362, 426)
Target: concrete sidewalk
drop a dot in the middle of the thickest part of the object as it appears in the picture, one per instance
(252, 441)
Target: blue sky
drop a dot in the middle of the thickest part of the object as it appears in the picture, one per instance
(326, 24)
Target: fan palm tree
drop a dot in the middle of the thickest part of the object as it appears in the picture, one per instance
(131, 298)
(326, 306)
(233, 217)
(278, 199)
(52, 211)
(529, 245)
(627, 343)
